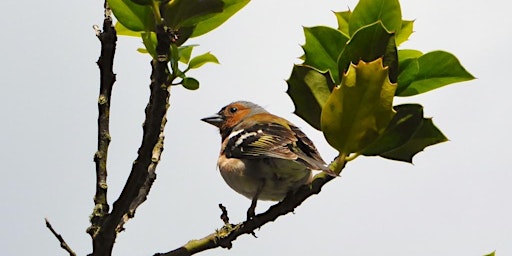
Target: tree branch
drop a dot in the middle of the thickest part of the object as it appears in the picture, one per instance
(63, 243)
(228, 233)
(142, 174)
(108, 39)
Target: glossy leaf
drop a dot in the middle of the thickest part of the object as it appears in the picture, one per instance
(202, 59)
(230, 8)
(143, 2)
(124, 31)
(405, 58)
(149, 40)
(405, 31)
(190, 83)
(343, 19)
(185, 52)
(405, 123)
(360, 109)
(192, 18)
(135, 17)
(405, 54)
(309, 89)
(322, 49)
(370, 43)
(370, 11)
(430, 71)
(187, 13)
(426, 135)
(182, 16)
(142, 50)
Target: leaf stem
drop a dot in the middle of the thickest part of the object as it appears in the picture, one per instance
(352, 157)
(156, 11)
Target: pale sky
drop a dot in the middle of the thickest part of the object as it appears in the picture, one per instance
(454, 200)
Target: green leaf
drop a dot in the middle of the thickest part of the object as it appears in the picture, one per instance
(404, 32)
(405, 58)
(491, 254)
(124, 31)
(230, 8)
(142, 50)
(309, 89)
(185, 52)
(368, 44)
(430, 71)
(190, 83)
(187, 13)
(134, 17)
(343, 19)
(360, 109)
(202, 59)
(182, 16)
(143, 2)
(370, 11)
(426, 135)
(192, 18)
(405, 123)
(149, 40)
(322, 49)
(183, 34)
(405, 54)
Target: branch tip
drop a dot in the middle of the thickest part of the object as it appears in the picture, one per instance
(59, 237)
(224, 216)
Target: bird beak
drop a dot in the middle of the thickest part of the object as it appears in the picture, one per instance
(215, 120)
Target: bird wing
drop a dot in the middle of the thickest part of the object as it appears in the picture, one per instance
(272, 140)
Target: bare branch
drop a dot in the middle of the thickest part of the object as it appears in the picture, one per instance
(228, 233)
(108, 39)
(63, 243)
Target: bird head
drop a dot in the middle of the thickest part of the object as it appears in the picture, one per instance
(233, 114)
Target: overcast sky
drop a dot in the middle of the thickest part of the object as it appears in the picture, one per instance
(454, 200)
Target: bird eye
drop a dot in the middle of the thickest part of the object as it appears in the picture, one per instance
(233, 110)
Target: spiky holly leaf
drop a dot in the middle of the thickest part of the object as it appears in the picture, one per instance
(309, 89)
(430, 71)
(343, 19)
(360, 109)
(322, 49)
(370, 11)
(426, 135)
(367, 44)
(405, 31)
(401, 128)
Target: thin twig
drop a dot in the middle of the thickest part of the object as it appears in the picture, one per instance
(224, 216)
(63, 243)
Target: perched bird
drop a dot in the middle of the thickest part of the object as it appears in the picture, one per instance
(263, 156)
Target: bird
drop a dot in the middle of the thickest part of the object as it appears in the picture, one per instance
(263, 156)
